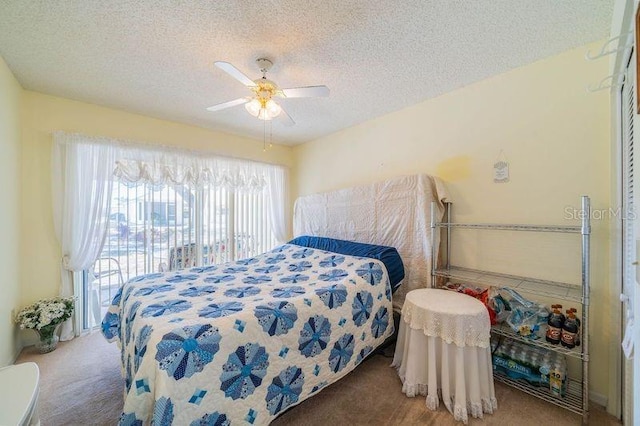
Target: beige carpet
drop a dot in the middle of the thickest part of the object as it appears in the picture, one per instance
(81, 385)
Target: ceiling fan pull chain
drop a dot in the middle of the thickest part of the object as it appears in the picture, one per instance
(264, 135)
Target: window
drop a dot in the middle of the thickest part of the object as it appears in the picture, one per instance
(123, 209)
(156, 228)
(174, 212)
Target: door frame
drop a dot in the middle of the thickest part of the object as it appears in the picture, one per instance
(622, 23)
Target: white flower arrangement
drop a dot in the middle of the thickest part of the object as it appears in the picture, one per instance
(46, 313)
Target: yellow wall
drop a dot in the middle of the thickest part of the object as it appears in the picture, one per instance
(43, 114)
(554, 134)
(10, 97)
(556, 138)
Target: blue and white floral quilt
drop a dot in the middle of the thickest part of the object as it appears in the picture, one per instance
(240, 343)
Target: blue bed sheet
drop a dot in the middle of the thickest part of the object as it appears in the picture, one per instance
(387, 255)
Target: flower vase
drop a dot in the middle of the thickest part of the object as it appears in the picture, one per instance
(48, 341)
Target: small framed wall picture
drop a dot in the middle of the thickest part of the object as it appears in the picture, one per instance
(501, 169)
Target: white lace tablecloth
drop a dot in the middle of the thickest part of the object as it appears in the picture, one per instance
(443, 350)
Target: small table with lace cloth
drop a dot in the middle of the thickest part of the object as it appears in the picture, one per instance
(443, 350)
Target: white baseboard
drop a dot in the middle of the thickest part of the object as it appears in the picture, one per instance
(598, 398)
(16, 353)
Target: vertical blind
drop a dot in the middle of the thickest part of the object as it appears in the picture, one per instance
(156, 228)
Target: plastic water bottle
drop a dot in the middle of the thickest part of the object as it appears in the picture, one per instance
(514, 351)
(534, 359)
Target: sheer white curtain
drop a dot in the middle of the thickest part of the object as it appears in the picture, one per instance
(82, 178)
(84, 169)
(277, 178)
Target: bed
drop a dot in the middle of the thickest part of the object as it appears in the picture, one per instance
(242, 342)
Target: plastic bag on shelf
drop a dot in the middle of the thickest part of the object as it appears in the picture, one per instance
(500, 305)
(465, 288)
(481, 294)
(518, 298)
(527, 321)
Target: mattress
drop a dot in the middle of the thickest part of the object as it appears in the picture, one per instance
(241, 342)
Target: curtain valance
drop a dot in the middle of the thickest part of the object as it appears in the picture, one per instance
(139, 163)
(195, 173)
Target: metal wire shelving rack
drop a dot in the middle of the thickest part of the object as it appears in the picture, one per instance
(577, 396)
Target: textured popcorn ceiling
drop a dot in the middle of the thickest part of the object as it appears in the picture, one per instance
(156, 57)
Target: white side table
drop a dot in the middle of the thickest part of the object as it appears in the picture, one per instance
(443, 349)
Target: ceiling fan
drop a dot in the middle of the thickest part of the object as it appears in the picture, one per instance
(261, 103)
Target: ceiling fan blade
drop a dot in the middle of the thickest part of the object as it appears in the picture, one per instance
(306, 92)
(229, 104)
(286, 118)
(235, 73)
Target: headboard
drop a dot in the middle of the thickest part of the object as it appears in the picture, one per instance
(394, 212)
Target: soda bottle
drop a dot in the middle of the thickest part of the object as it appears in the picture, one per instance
(554, 325)
(571, 330)
(577, 340)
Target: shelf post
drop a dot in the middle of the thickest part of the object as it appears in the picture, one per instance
(434, 260)
(586, 236)
(447, 205)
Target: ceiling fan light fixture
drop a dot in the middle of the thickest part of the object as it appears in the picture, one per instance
(254, 107)
(273, 108)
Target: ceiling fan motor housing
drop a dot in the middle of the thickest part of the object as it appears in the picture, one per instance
(264, 65)
(265, 88)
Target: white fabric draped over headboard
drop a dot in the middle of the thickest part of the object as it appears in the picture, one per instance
(395, 212)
